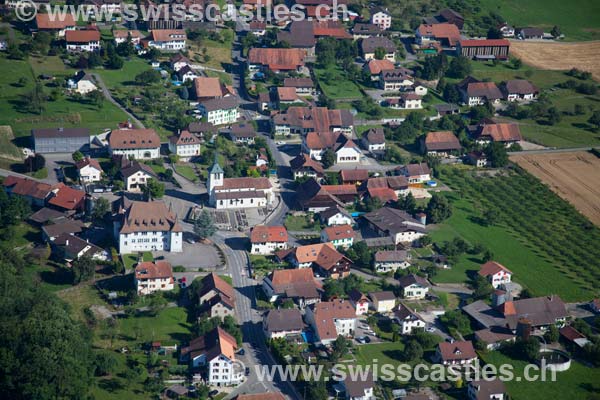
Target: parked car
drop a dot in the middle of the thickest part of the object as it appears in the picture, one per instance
(431, 329)
(241, 352)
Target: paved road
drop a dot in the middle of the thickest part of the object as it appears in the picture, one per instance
(109, 97)
(550, 150)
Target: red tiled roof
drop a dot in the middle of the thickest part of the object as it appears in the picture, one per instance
(27, 187)
(149, 216)
(124, 34)
(446, 31)
(459, 350)
(442, 140)
(43, 21)
(184, 138)
(245, 183)
(167, 35)
(339, 232)
(340, 189)
(82, 36)
(281, 277)
(383, 194)
(491, 268)
(376, 66)
(352, 175)
(150, 270)
(213, 281)
(327, 312)
(67, 197)
(262, 234)
(502, 132)
(134, 139)
(277, 59)
(483, 42)
(287, 94)
(89, 161)
(208, 87)
(330, 28)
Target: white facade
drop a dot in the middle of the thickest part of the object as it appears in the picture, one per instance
(396, 86)
(138, 154)
(407, 325)
(499, 278)
(149, 286)
(382, 20)
(89, 174)
(169, 45)
(383, 306)
(150, 241)
(343, 243)
(221, 371)
(407, 236)
(415, 292)
(339, 219)
(83, 87)
(383, 267)
(347, 155)
(134, 183)
(78, 47)
(520, 97)
(268, 248)
(220, 116)
(185, 151)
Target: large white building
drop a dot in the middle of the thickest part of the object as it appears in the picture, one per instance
(167, 39)
(496, 273)
(141, 144)
(237, 192)
(153, 277)
(147, 226)
(266, 240)
(185, 145)
(220, 111)
(331, 319)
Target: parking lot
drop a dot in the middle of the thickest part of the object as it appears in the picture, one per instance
(194, 256)
(364, 330)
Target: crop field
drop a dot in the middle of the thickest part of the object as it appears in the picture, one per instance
(573, 176)
(559, 56)
(549, 245)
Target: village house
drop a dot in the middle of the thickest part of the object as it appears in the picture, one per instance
(416, 173)
(381, 18)
(447, 15)
(496, 273)
(443, 144)
(185, 145)
(220, 111)
(47, 216)
(302, 86)
(354, 176)
(323, 258)
(492, 338)
(152, 277)
(336, 216)
(395, 80)
(396, 224)
(478, 159)
(313, 197)
(477, 93)
(338, 235)
(186, 73)
(60, 140)
(228, 193)
(364, 30)
(302, 165)
(530, 34)
(70, 247)
(257, 28)
(489, 131)
(216, 297)
(275, 59)
(316, 144)
(446, 109)
(242, 133)
(382, 302)
(359, 301)
(82, 83)
(385, 187)
(57, 26)
(122, 36)
(89, 170)
(445, 33)
(456, 353)
(287, 96)
(167, 39)
(266, 240)
(302, 120)
(373, 140)
(406, 101)
(64, 227)
(506, 30)
(413, 287)
(135, 174)
(484, 49)
(213, 356)
(370, 45)
(519, 90)
(179, 61)
(33, 192)
(66, 198)
(390, 260)
(141, 144)
(486, 389)
(208, 88)
(83, 40)
(359, 389)
(147, 226)
(374, 67)
(408, 319)
(331, 319)
(300, 35)
(299, 285)
(282, 323)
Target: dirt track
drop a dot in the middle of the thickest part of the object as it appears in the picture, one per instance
(573, 176)
(559, 56)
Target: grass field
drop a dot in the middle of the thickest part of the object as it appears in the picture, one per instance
(336, 86)
(122, 78)
(301, 223)
(8, 150)
(540, 237)
(169, 326)
(187, 172)
(579, 382)
(578, 20)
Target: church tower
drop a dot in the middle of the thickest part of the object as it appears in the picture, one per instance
(215, 179)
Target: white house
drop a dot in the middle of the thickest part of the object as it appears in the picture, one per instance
(406, 101)
(331, 319)
(416, 173)
(83, 40)
(136, 175)
(519, 90)
(266, 240)
(496, 273)
(359, 389)
(414, 287)
(179, 61)
(186, 73)
(89, 170)
(185, 145)
(141, 144)
(383, 302)
(459, 352)
(408, 319)
(336, 216)
(121, 36)
(359, 301)
(167, 39)
(281, 323)
(347, 153)
(338, 235)
(213, 355)
(82, 83)
(147, 226)
(390, 260)
(382, 18)
(374, 140)
(487, 389)
(152, 277)
(220, 111)
(397, 224)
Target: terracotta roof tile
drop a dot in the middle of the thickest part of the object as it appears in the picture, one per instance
(262, 234)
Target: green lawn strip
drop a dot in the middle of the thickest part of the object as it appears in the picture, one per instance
(187, 172)
(338, 87)
(579, 382)
(301, 223)
(129, 260)
(169, 326)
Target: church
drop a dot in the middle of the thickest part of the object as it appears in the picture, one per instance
(230, 193)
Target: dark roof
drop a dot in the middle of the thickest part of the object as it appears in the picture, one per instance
(494, 335)
(520, 86)
(391, 255)
(298, 82)
(214, 282)
(218, 104)
(417, 169)
(412, 279)
(357, 387)
(529, 32)
(56, 133)
(75, 245)
(443, 140)
(201, 127)
(46, 214)
(134, 166)
(303, 160)
(375, 136)
(300, 34)
(382, 296)
(539, 310)
(486, 388)
(68, 226)
(366, 29)
(445, 107)
(330, 212)
(368, 45)
(284, 320)
(393, 221)
(458, 350)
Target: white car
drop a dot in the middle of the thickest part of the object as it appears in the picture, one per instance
(280, 143)
(431, 329)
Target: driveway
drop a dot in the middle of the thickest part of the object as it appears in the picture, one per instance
(194, 256)
(109, 97)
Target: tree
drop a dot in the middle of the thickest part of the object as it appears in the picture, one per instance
(555, 32)
(115, 62)
(35, 162)
(380, 53)
(494, 33)
(496, 154)
(438, 208)
(451, 94)
(204, 225)
(413, 351)
(83, 269)
(147, 77)
(154, 189)
(328, 158)
(104, 363)
(184, 92)
(77, 156)
(94, 60)
(516, 63)
(408, 203)
(554, 116)
(101, 208)
(551, 335)
(97, 98)
(483, 289)
(491, 217)
(362, 254)
(459, 67)
(595, 119)
(34, 101)
(340, 346)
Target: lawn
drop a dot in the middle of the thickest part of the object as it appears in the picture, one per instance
(219, 53)
(123, 78)
(578, 20)
(301, 223)
(129, 260)
(335, 85)
(579, 382)
(187, 172)
(60, 113)
(169, 326)
(546, 243)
